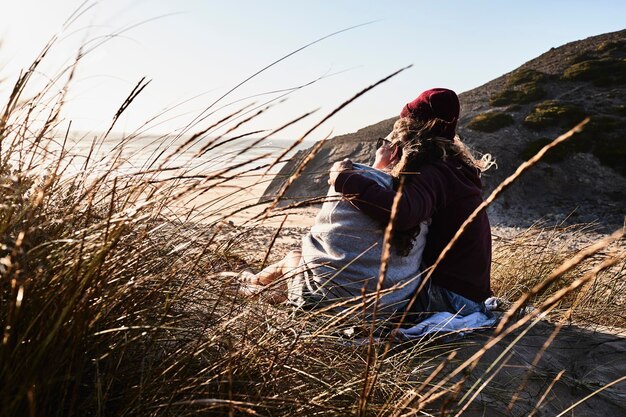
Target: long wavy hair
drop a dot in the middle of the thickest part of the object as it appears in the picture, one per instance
(421, 146)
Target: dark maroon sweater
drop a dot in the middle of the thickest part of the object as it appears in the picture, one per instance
(446, 192)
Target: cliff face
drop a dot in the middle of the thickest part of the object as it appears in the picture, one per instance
(513, 116)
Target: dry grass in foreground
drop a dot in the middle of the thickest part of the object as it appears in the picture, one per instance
(107, 305)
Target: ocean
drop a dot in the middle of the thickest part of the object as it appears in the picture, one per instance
(165, 155)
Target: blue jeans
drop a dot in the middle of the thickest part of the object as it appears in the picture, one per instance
(434, 299)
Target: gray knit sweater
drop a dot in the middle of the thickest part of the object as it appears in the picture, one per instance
(342, 255)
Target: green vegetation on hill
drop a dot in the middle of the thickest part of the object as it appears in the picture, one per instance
(490, 122)
(524, 94)
(555, 155)
(605, 66)
(602, 72)
(602, 136)
(522, 87)
(553, 113)
(524, 76)
(613, 47)
(513, 108)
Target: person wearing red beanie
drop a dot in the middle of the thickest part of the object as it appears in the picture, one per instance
(436, 103)
(441, 185)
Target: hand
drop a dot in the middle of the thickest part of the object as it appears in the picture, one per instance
(337, 168)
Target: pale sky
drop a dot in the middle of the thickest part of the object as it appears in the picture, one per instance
(194, 51)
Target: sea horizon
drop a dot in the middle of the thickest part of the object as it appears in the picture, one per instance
(142, 153)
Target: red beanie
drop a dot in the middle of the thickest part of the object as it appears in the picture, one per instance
(436, 103)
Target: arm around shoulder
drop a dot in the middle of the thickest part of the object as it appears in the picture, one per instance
(416, 204)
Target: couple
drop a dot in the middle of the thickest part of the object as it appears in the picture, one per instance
(340, 258)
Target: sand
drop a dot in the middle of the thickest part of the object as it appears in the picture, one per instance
(236, 202)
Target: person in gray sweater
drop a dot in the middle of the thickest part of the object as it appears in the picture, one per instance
(339, 262)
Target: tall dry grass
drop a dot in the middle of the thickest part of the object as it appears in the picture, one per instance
(526, 259)
(110, 303)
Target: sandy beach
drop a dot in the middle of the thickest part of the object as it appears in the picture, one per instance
(236, 202)
(234, 207)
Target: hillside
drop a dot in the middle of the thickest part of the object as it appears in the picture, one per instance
(512, 117)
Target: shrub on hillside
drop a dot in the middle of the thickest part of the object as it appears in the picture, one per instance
(553, 113)
(519, 94)
(556, 154)
(613, 47)
(522, 86)
(583, 56)
(602, 72)
(513, 108)
(524, 76)
(490, 122)
(602, 137)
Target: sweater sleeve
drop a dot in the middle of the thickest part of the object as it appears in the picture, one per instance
(421, 194)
